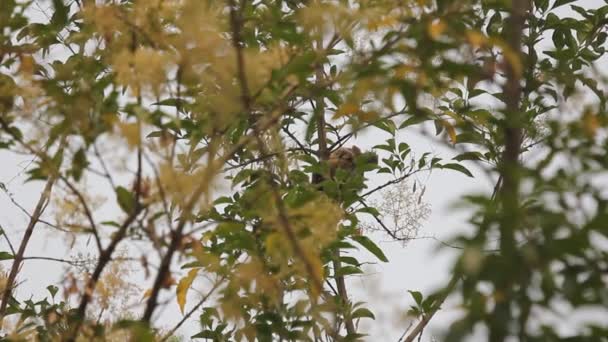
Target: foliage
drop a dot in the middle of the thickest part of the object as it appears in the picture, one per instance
(206, 122)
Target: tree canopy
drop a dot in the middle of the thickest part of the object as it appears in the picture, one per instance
(205, 152)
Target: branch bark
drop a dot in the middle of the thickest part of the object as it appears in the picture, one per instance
(427, 318)
(40, 206)
(105, 255)
(508, 194)
(104, 258)
(176, 238)
(323, 157)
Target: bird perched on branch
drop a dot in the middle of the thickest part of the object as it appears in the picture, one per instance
(345, 158)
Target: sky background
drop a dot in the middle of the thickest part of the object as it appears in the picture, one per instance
(421, 265)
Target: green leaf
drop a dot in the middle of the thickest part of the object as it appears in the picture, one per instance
(457, 167)
(415, 119)
(369, 210)
(469, 156)
(368, 244)
(350, 260)
(79, 163)
(192, 264)
(386, 125)
(171, 102)
(60, 15)
(52, 290)
(155, 134)
(561, 3)
(206, 334)
(111, 223)
(363, 312)
(348, 270)
(125, 199)
(6, 256)
(417, 296)
(542, 4)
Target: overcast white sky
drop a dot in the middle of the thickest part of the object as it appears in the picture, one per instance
(421, 265)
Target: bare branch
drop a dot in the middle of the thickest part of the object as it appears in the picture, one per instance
(87, 211)
(106, 171)
(10, 245)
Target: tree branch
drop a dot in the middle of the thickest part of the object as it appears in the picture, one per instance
(429, 315)
(193, 310)
(87, 211)
(319, 115)
(235, 22)
(39, 209)
(509, 166)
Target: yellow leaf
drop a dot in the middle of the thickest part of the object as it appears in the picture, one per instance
(131, 132)
(453, 116)
(376, 23)
(590, 123)
(346, 109)
(403, 70)
(274, 243)
(513, 60)
(146, 294)
(27, 64)
(450, 129)
(183, 286)
(436, 28)
(368, 116)
(109, 118)
(476, 39)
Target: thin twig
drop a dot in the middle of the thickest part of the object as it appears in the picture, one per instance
(429, 315)
(192, 311)
(405, 332)
(105, 255)
(10, 245)
(394, 181)
(65, 261)
(87, 211)
(40, 206)
(14, 201)
(106, 172)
